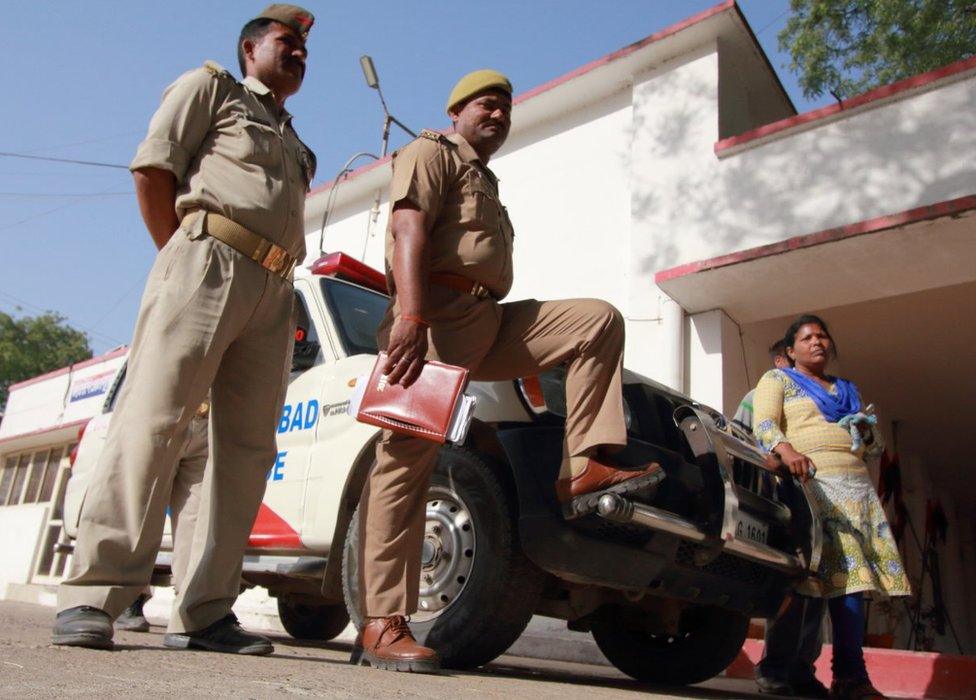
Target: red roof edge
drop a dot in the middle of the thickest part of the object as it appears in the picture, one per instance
(627, 50)
(362, 169)
(880, 223)
(582, 70)
(111, 354)
(876, 95)
(41, 431)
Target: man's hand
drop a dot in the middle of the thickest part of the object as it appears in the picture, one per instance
(407, 348)
(799, 465)
(156, 192)
(406, 352)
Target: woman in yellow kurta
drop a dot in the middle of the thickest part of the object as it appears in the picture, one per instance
(815, 424)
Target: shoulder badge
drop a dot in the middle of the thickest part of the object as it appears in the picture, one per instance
(434, 136)
(217, 70)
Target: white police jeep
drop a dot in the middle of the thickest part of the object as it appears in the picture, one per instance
(666, 582)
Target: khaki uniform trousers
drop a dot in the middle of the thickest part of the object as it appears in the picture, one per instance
(184, 501)
(496, 342)
(211, 319)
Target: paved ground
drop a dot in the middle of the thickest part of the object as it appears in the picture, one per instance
(31, 667)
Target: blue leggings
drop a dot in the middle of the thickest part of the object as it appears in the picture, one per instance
(847, 620)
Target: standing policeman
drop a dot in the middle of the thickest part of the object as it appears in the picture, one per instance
(449, 262)
(221, 180)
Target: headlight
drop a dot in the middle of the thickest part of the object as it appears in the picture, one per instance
(546, 393)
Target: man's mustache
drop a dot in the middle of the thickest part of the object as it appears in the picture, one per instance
(296, 62)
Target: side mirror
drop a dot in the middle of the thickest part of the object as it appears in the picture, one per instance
(304, 355)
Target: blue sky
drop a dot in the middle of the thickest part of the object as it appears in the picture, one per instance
(81, 80)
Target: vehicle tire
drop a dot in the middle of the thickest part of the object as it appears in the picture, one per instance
(319, 622)
(708, 641)
(477, 589)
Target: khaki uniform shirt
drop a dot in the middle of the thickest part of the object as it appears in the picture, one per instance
(232, 154)
(469, 231)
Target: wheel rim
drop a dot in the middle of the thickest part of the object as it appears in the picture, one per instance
(448, 552)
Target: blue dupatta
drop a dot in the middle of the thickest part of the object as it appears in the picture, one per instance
(843, 402)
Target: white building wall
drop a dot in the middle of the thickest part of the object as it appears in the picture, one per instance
(20, 529)
(882, 159)
(675, 125)
(65, 397)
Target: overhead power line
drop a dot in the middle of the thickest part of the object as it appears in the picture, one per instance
(100, 139)
(72, 201)
(64, 160)
(32, 195)
(64, 195)
(17, 302)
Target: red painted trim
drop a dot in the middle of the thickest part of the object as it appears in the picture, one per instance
(582, 70)
(361, 170)
(882, 93)
(42, 431)
(270, 531)
(627, 50)
(71, 368)
(912, 674)
(881, 223)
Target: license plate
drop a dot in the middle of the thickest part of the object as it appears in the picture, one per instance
(748, 528)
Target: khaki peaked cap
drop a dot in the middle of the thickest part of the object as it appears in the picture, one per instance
(298, 18)
(478, 81)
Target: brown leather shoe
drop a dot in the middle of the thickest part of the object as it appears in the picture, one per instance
(388, 643)
(579, 495)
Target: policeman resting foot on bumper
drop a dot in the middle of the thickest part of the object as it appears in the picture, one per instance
(221, 180)
(449, 263)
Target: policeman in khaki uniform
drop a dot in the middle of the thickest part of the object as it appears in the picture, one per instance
(449, 263)
(221, 180)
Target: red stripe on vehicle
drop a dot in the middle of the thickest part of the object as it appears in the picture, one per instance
(271, 531)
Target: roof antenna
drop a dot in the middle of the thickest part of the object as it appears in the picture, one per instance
(373, 81)
(330, 199)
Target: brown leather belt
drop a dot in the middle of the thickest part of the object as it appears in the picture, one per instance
(460, 283)
(268, 255)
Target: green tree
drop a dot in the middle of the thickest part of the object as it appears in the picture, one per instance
(32, 345)
(846, 47)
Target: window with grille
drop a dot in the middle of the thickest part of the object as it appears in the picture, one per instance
(39, 477)
(30, 477)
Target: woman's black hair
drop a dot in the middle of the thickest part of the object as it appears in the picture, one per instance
(803, 320)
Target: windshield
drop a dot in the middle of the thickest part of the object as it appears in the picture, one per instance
(357, 313)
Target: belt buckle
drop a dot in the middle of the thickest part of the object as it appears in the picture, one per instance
(479, 290)
(277, 261)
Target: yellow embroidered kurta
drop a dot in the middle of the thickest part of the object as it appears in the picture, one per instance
(859, 552)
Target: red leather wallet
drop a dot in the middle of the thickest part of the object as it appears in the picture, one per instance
(423, 410)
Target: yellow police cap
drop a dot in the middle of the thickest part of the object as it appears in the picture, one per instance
(476, 82)
(298, 18)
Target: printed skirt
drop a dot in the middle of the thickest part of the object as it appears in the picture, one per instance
(859, 550)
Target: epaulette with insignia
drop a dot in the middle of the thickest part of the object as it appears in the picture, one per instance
(434, 136)
(217, 70)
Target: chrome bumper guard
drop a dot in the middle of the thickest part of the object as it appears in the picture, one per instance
(617, 509)
(705, 437)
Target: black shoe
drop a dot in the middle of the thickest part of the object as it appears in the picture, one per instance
(133, 619)
(773, 686)
(810, 689)
(225, 635)
(83, 626)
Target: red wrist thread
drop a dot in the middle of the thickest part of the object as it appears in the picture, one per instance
(416, 319)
